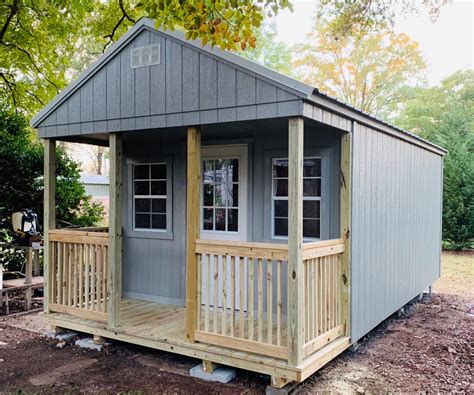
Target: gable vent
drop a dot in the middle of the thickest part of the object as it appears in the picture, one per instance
(148, 55)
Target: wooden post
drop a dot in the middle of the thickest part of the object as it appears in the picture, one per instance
(28, 276)
(115, 230)
(346, 177)
(49, 211)
(295, 241)
(192, 226)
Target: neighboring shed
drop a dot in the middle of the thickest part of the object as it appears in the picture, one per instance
(248, 211)
(97, 186)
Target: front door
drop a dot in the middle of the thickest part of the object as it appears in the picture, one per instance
(224, 201)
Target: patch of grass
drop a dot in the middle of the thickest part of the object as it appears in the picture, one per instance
(457, 274)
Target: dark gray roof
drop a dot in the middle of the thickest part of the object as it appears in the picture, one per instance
(298, 88)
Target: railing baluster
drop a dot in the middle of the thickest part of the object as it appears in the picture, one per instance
(241, 263)
(250, 308)
(199, 290)
(232, 295)
(279, 302)
(216, 290)
(224, 295)
(269, 302)
(260, 300)
(207, 290)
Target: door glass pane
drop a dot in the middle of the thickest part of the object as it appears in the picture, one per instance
(220, 194)
(208, 171)
(208, 194)
(220, 219)
(208, 218)
(158, 172)
(158, 188)
(234, 170)
(232, 220)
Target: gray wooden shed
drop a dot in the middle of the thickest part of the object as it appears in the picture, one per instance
(248, 211)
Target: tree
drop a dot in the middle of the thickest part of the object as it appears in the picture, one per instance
(270, 52)
(353, 18)
(44, 43)
(21, 177)
(444, 114)
(365, 72)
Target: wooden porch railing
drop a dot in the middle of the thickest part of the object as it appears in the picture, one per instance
(78, 272)
(242, 295)
(322, 291)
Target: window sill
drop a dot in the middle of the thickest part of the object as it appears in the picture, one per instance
(149, 234)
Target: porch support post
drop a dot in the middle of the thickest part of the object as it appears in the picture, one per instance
(295, 241)
(345, 190)
(49, 212)
(115, 229)
(192, 226)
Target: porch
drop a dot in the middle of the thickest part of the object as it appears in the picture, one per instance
(246, 327)
(274, 308)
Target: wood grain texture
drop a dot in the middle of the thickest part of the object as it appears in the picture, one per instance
(193, 184)
(115, 229)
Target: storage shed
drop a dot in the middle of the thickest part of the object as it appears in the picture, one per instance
(254, 222)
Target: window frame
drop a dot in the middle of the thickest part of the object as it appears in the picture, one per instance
(133, 231)
(285, 198)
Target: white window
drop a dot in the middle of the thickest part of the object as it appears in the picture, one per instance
(150, 196)
(145, 56)
(311, 198)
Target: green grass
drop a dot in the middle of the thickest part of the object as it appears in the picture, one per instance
(457, 274)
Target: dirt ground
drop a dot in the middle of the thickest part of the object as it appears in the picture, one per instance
(429, 349)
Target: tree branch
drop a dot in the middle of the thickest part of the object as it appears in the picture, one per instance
(10, 86)
(117, 25)
(13, 11)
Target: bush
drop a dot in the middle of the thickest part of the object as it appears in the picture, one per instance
(21, 178)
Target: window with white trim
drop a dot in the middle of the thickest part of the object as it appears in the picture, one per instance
(150, 196)
(311, 198)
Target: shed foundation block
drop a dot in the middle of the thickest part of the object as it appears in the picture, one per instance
(221, 374)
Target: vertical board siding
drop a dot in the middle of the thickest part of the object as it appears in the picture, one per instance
(187, 87)
(190, 80)
(207, 82)
(174, 77)
(142, 80)
(396, 208)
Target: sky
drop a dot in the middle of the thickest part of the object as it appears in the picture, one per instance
(447, 44)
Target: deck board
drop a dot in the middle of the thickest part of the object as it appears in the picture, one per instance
(162, 327)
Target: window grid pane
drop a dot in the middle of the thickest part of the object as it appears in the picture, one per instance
(150, 196)
(311, 197)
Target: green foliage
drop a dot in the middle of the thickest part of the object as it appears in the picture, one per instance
(44, 43)
(270, 52)
(354, 18)
(21, 177)
(365, 71)
(445, 115)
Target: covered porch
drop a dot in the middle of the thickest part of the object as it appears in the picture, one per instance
(275, 308)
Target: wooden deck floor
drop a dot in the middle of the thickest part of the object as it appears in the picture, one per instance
(163, 327)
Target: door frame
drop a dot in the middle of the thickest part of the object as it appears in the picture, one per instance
(239, 151)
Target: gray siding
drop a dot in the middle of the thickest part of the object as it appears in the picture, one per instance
(188, 87)
(396, 225)
(153, 264)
